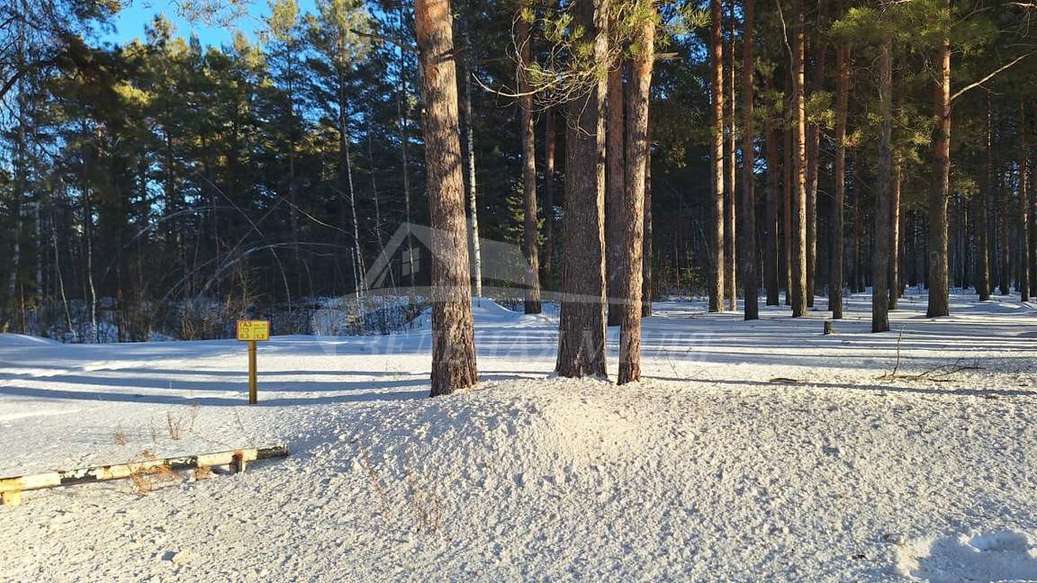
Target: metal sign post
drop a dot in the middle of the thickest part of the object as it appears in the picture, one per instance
(253, 331)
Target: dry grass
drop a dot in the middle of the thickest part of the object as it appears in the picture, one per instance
(425, 504)
(119, 437)
(145, 478)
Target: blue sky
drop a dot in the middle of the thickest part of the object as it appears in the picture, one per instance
(130, 22)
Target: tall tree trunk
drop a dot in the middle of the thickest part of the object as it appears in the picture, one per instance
(787, 196)
(633, 219)
(346, 181)
(646, 285)
(835, 284)
(453, 335)
(615, 186)
(895, 235)
(939, 294)
(770, 225)
(401, 98)
(857, 279)
(581, 326)
(813, 161)
(1004, 268)
(799, 211)
(881, 253)
(377, 200)
(549, 192)
(473, 203)
(748, 210)
(530, 239)
(730, 172)
(1031, 232)
(1024, 188)
(716, 40)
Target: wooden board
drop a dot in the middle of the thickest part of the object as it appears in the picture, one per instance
(238, 458)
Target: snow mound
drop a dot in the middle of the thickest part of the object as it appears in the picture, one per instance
(16, 340)
(997, 556)
(485, 312)
(526, 431)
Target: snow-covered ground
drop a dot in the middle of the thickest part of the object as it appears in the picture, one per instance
(750, 452)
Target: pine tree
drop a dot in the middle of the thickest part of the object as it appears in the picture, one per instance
(581, 327)
(716, 289)
(530, 237)
(453, 335)
(747, 212)
(632, 217)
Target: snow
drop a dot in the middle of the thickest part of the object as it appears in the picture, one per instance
(750, 451)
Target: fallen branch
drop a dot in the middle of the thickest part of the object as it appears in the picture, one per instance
(11, 488)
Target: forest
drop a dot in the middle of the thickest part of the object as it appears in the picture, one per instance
(518, 290)
(750, 151)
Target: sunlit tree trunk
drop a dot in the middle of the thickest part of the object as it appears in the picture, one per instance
(530, 239)
(730, 172)
(799, 153)
(632, 217)
(581, 327)
(835, 284)
(473, 202)
(453, 337)
(716, 43)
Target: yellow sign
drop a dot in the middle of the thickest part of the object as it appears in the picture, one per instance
(253, 330)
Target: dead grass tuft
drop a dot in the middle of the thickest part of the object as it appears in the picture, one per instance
(145, 477)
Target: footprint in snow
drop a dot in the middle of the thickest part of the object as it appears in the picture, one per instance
(1005, 555)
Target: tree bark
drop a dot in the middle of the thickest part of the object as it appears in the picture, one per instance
(770, 226)
(835, 284)
(581, 334)
(1032, 226)
(730, 172)
(787, 196)
(1024, 188)
(401, 99)
(799, 211)
(530, 238)
(895, 235)
(615, 186)
(646, 285)
(473, 202)
(716, 40)
(857, 277)
(939, 294)
(748, 210)
(453, 337)
(633, 219)
(813, 162)
(549, 193)
(1004, 261)
(880, 255)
